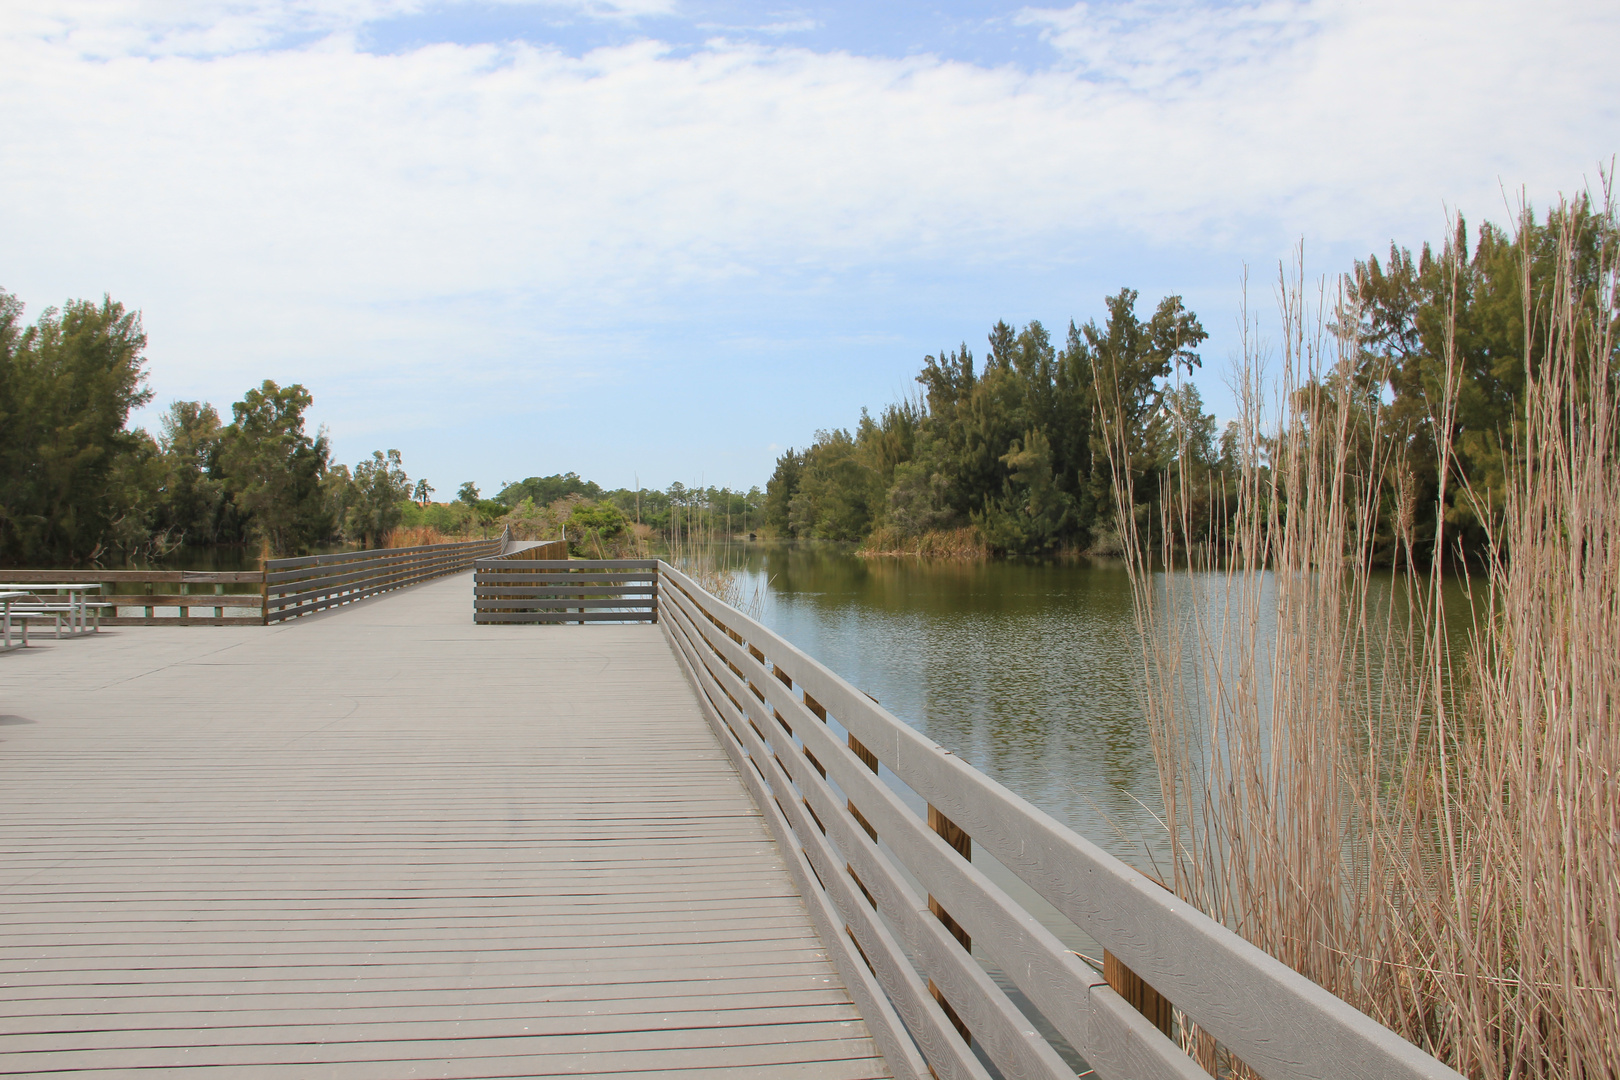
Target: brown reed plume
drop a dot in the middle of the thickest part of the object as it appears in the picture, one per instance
(1426, 827)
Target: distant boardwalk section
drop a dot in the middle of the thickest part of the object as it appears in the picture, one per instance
(386, 842)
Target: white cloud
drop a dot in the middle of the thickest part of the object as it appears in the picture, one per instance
(1156, 46)
(486, 205)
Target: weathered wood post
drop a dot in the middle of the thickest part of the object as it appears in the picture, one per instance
(958, 838)
(1141, 997)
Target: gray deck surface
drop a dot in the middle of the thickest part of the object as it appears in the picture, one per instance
(384, 842)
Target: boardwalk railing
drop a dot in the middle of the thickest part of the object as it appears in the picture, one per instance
(163, 597)
(925, 940)
(535, 549)
(519, 590)
(311, 583)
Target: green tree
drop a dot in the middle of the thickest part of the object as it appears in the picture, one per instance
(380, 485)
(1131, 361)
(604, 519)
(545, 490)
(840, 493)
(1409, 311)
(591, 524)
(138, 474)
(67, 386)
(467, 493)
(1032, 513)
(779, 492)
(194, 506)
(273, 468)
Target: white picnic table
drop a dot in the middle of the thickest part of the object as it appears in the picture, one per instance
(77, 608)
(6, 597)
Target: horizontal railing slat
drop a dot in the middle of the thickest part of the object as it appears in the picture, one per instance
(568, 564)
(252, 600)
(137, 577)
(560, 617)
(553, 591)
(647, 590)
(576, 602)
(309, 584)
(1278, 1022)
(918, 1016)
(1055, 980)
(546, 580)
(972, 994)
(176, 620)
(90, 577)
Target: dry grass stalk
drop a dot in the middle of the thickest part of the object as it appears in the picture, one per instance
(1531, 921)
(1437, 841)
(961, 543)
(695, 550)
(419, 536)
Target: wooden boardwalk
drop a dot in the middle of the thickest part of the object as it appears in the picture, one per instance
(383, 843)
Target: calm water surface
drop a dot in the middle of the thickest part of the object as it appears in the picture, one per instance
(1028, 670)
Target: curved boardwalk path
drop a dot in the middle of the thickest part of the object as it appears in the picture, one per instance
(385, 842)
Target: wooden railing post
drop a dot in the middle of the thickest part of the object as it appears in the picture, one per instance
(958, 838)
(870, 760)
(1141, 997)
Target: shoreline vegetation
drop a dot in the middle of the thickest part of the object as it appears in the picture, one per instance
(960, 543)
(1006, 455)
(1429, 832)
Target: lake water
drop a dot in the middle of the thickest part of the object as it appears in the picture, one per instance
(1028, 670)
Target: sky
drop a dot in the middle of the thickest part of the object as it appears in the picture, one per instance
(657, 240)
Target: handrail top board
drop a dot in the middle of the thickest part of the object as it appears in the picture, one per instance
(188, 577)
(369, 554)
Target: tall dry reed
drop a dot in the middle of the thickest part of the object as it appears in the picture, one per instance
(1427, 828)
(421, 536)
(697, 549)
(966, 542)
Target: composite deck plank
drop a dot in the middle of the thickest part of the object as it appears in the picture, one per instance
(386, 842)
(107, 1014)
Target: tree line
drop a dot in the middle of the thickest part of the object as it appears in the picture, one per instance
(1004, 454)
(1009, 451)
(78, 485)
(546, 507)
